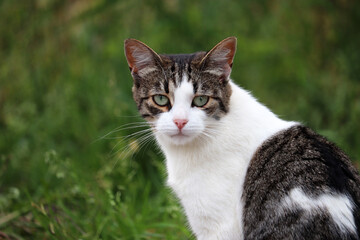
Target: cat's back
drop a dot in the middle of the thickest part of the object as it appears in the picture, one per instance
(301, 186)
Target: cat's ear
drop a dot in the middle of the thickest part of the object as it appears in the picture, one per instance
(219, 60)
(140, 57)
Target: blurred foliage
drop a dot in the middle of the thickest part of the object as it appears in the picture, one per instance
(64, 83)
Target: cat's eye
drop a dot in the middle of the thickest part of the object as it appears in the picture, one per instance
(200, 101)
(161, 100)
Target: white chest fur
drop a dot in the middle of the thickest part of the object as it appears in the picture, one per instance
(210, 192)
(208, 175)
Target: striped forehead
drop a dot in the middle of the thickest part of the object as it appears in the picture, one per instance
(180, 65)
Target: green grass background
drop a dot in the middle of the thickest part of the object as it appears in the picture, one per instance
(64, 83)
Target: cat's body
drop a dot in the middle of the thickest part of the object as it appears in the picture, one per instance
(230, 159)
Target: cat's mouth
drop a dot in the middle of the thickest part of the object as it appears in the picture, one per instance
(180, 138)
(179, 134)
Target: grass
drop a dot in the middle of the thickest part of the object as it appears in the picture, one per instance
(64, 83)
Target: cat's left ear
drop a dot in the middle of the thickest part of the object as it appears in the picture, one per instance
(219, 60)
(140, 57)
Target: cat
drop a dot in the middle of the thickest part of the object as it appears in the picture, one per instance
(239, 171)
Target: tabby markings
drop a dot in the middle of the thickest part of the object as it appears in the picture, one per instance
(145, 71)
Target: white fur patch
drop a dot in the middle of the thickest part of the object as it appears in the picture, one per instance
(339, 206)
(184, 94)
(216, 71)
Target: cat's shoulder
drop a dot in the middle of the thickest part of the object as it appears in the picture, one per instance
(299, 176)
(298, 156)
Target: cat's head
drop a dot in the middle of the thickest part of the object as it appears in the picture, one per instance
(181, 95)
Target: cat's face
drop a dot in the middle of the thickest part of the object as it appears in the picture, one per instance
(181, 95)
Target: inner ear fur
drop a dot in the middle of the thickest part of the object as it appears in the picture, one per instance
(220, 58)
(139, 56)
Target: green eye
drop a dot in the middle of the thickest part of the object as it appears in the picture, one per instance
(200, 101)
(161, 100)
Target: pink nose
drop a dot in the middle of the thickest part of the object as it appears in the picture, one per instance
(180, 123)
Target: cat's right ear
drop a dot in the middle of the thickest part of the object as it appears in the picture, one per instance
(140, 57)
(220, 58)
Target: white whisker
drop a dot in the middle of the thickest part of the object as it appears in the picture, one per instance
(127, 126)
(125, 150)
(145, 131)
